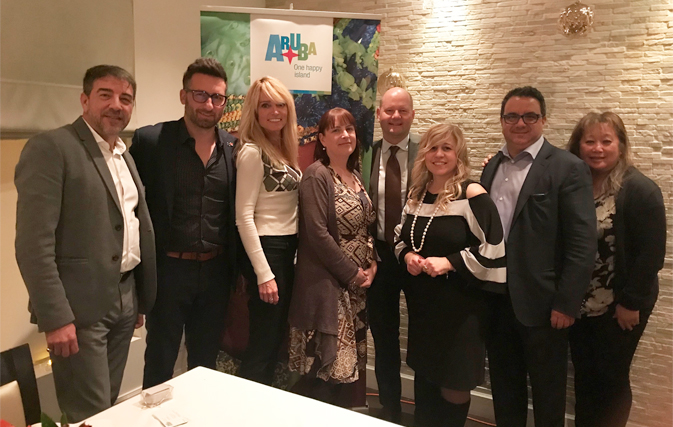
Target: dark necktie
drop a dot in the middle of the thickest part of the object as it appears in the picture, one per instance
(393, 194)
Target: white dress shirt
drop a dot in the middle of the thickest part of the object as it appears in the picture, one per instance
(127, 194)
(403, 159)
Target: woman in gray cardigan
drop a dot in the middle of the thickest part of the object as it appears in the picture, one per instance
(624, 285)
(335, 264)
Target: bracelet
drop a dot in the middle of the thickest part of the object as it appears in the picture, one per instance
(353, 283)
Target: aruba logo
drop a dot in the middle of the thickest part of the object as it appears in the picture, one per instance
(292, 46)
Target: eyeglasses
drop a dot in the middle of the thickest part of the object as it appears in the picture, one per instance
(528, 118)
(201, 96)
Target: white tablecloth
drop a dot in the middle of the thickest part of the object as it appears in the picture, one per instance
(211, 398)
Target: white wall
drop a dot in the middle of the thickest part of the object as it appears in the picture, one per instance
(14, 326)
(46, 46)
(167, 40)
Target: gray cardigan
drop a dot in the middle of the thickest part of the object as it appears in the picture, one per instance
(322, 267)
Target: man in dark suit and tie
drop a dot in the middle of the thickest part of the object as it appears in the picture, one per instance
(188, 170)
(544, 196)
(392, 159)
(85, 245)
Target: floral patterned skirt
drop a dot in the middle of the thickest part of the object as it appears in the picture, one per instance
(334, 358)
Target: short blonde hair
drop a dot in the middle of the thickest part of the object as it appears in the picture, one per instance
(251, 131)
(421, 176)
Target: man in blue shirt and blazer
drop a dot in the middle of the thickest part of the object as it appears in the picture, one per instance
(545, 199)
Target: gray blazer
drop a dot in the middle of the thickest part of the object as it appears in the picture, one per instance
(69, 230)
(376, 164)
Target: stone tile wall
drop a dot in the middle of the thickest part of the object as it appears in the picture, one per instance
(460, 57)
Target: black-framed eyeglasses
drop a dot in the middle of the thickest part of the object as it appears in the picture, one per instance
(201, 96)
(528, 118)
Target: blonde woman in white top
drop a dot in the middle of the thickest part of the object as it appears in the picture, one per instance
(267, 180)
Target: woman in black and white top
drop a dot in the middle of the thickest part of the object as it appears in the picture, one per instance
(451, 240)
(267, 182)
(624, 286)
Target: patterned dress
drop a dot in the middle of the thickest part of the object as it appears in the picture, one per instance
(354, 216)
(600, 294)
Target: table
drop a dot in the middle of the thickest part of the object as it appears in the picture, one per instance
(211, 398)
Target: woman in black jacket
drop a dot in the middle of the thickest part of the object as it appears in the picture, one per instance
(624, 286)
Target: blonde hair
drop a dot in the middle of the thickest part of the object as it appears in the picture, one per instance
(613, 181)
(420, 176)
(251, 131)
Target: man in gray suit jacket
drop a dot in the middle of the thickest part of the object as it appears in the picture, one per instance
(545, 200)
(392, 159)
(85, 244)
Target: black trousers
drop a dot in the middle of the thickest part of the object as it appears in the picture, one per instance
(516, 351)
(602, 353)
(191, 295)
(268, 322)
(383, 310)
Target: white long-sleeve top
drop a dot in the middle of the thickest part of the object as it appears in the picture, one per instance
(266, 204)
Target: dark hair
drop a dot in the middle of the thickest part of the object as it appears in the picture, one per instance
(208, 66)
(525, 92)
(329, 120)
(100, 71)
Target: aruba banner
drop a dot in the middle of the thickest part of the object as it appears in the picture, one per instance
(326, 59)
(297, 51)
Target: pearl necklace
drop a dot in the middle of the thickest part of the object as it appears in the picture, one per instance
(413, 224)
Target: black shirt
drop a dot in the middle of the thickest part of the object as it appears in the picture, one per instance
(200, 209)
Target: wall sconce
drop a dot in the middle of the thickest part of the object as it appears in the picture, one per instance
(576, 20)
(389, 79)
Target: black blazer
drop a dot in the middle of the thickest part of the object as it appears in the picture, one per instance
(552, 240)
(154, 151)
(640, 240)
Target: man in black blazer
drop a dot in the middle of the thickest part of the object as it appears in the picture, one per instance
(395, 114)
(544, 196)
(85, 243)
(188, 171)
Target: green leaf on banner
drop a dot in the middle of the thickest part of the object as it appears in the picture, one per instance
(369, 98)
(353, 48)
(340, 25)
(346, 81)
(337, 51)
